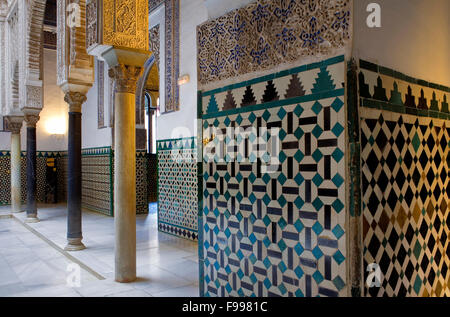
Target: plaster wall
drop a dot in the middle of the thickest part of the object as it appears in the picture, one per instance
(414, 37)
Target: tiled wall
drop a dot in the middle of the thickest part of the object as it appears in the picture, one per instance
(177, 187)
(97, 179)
(405, 143)
(5, 184)
(279, 233)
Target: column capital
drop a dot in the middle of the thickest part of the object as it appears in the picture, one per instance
(75, 100)
(31, 120)
(125, 77)
(14, 124)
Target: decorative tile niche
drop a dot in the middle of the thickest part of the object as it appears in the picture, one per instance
(278, 233)
(177, 187)
(405, 143)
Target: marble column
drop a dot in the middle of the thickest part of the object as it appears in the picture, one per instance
(125, 171)
(15, 125)
(74, 231)
(31, 121)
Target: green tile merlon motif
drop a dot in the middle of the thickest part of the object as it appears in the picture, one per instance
(386, 89)
(300, 84)
(97, 151)
(49, 154)
(177, 144)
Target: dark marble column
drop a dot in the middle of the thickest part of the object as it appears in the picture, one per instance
(74, 230)
(31, 121)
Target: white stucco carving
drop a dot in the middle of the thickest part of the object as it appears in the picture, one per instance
(21, 24)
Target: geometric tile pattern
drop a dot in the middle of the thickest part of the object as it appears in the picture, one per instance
(5, 184)
(405, 194)
(279, 230)
(177, 187)
(266, 33)
(152, 178)
(141, 182)
(97, 180)
(294, 83)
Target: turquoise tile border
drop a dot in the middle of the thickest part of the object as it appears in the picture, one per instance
(382, 105)
(296, 70)
(177, 144)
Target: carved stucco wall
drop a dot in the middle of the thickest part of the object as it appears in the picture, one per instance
(21, 55)
(115, 32)
(266, 34)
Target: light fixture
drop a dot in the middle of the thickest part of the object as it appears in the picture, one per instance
(56, 126)
(183, 80)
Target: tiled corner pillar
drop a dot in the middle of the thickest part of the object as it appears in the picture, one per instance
(15, 124)
(74, 231)
(31, 121)
(125, 170)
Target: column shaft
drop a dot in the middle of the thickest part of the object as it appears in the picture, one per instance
(125, 186)
(74, 226)
(16, 197)
(31, 174)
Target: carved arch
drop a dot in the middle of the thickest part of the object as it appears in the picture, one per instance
(36, 11)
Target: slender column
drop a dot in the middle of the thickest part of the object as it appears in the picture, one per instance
(74, 231)
(15, 125)
(125, 171)
(31, 121)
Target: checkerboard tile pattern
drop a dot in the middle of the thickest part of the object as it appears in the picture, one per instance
(406, 202)
(177, 187)
(278, 230)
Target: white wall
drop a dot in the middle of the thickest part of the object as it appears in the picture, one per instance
(54, 112)
(182, 123)
(414, 37)
(192, 13)
(92, 136)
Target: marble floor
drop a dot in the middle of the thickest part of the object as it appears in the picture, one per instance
(33, 263)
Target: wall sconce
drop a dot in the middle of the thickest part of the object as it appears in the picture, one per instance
(183, 80)
(56, 126)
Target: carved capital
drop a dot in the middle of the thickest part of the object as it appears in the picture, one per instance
(125, 77)
(75, 100)
(14, 124)
(31, 120)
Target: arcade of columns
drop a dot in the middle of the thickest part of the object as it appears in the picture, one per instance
(110, 33)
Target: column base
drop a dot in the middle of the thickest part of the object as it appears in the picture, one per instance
(74, 245)
(17, 211)
(125, 280)
(32, 220)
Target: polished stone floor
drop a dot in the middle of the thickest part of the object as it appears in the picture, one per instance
(33, 263)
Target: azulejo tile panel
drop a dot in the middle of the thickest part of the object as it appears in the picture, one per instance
(406, 202)
(266, 33)
(279, 230)
(97, 180)
(177, 187)
(5, 174)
